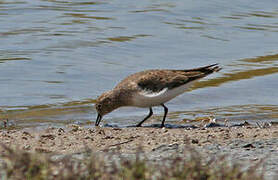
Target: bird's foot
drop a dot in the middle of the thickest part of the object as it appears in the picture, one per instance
(138, 125)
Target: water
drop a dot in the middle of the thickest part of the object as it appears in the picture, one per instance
(57, 56)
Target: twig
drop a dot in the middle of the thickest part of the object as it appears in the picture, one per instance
(121, 143)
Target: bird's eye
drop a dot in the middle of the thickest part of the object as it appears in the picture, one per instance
(98, 106)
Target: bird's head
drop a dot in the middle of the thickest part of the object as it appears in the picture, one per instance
(105, 104)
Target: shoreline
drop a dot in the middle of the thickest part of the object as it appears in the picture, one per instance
(241, 144)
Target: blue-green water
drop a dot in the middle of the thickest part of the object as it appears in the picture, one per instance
(56, 57)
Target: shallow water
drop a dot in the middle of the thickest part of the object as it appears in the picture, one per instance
(57, 56)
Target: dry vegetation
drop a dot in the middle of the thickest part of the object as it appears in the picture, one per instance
(19, 164)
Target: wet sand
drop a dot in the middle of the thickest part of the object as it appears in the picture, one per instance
(241, 144)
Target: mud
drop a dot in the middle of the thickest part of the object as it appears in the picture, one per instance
(242, 144)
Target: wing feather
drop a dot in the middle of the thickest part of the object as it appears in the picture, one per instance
(157, 80)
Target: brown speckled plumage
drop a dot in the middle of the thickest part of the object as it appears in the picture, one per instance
(155, 80)
(150, 80)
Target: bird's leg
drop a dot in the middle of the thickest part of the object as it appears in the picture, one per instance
(165, 114)
(147, 117)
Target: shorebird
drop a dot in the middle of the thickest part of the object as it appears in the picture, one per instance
(150, 88)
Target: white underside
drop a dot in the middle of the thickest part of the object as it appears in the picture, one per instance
(149, 99)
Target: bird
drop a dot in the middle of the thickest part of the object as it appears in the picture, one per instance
(150, 88)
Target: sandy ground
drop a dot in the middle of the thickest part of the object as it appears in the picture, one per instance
(242, 144)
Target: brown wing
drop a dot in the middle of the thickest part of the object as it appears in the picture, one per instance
(160, 79)
(156, 80)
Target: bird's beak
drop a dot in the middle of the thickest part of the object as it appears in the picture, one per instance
(98, 119)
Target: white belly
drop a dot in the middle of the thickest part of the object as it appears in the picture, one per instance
(149, 99)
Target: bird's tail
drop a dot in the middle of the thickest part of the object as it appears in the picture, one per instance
(201, 72)
(206, 69)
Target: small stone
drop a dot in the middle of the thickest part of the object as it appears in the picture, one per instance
(48, 136)
(117, 129)
(101, 132)
(25, 133)
(240, 135)
(194, 141)
(91, 131)
(27, 147)
(75, 127)
(60, 130)
(25, 138)
(249, 146)
(108, 137)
